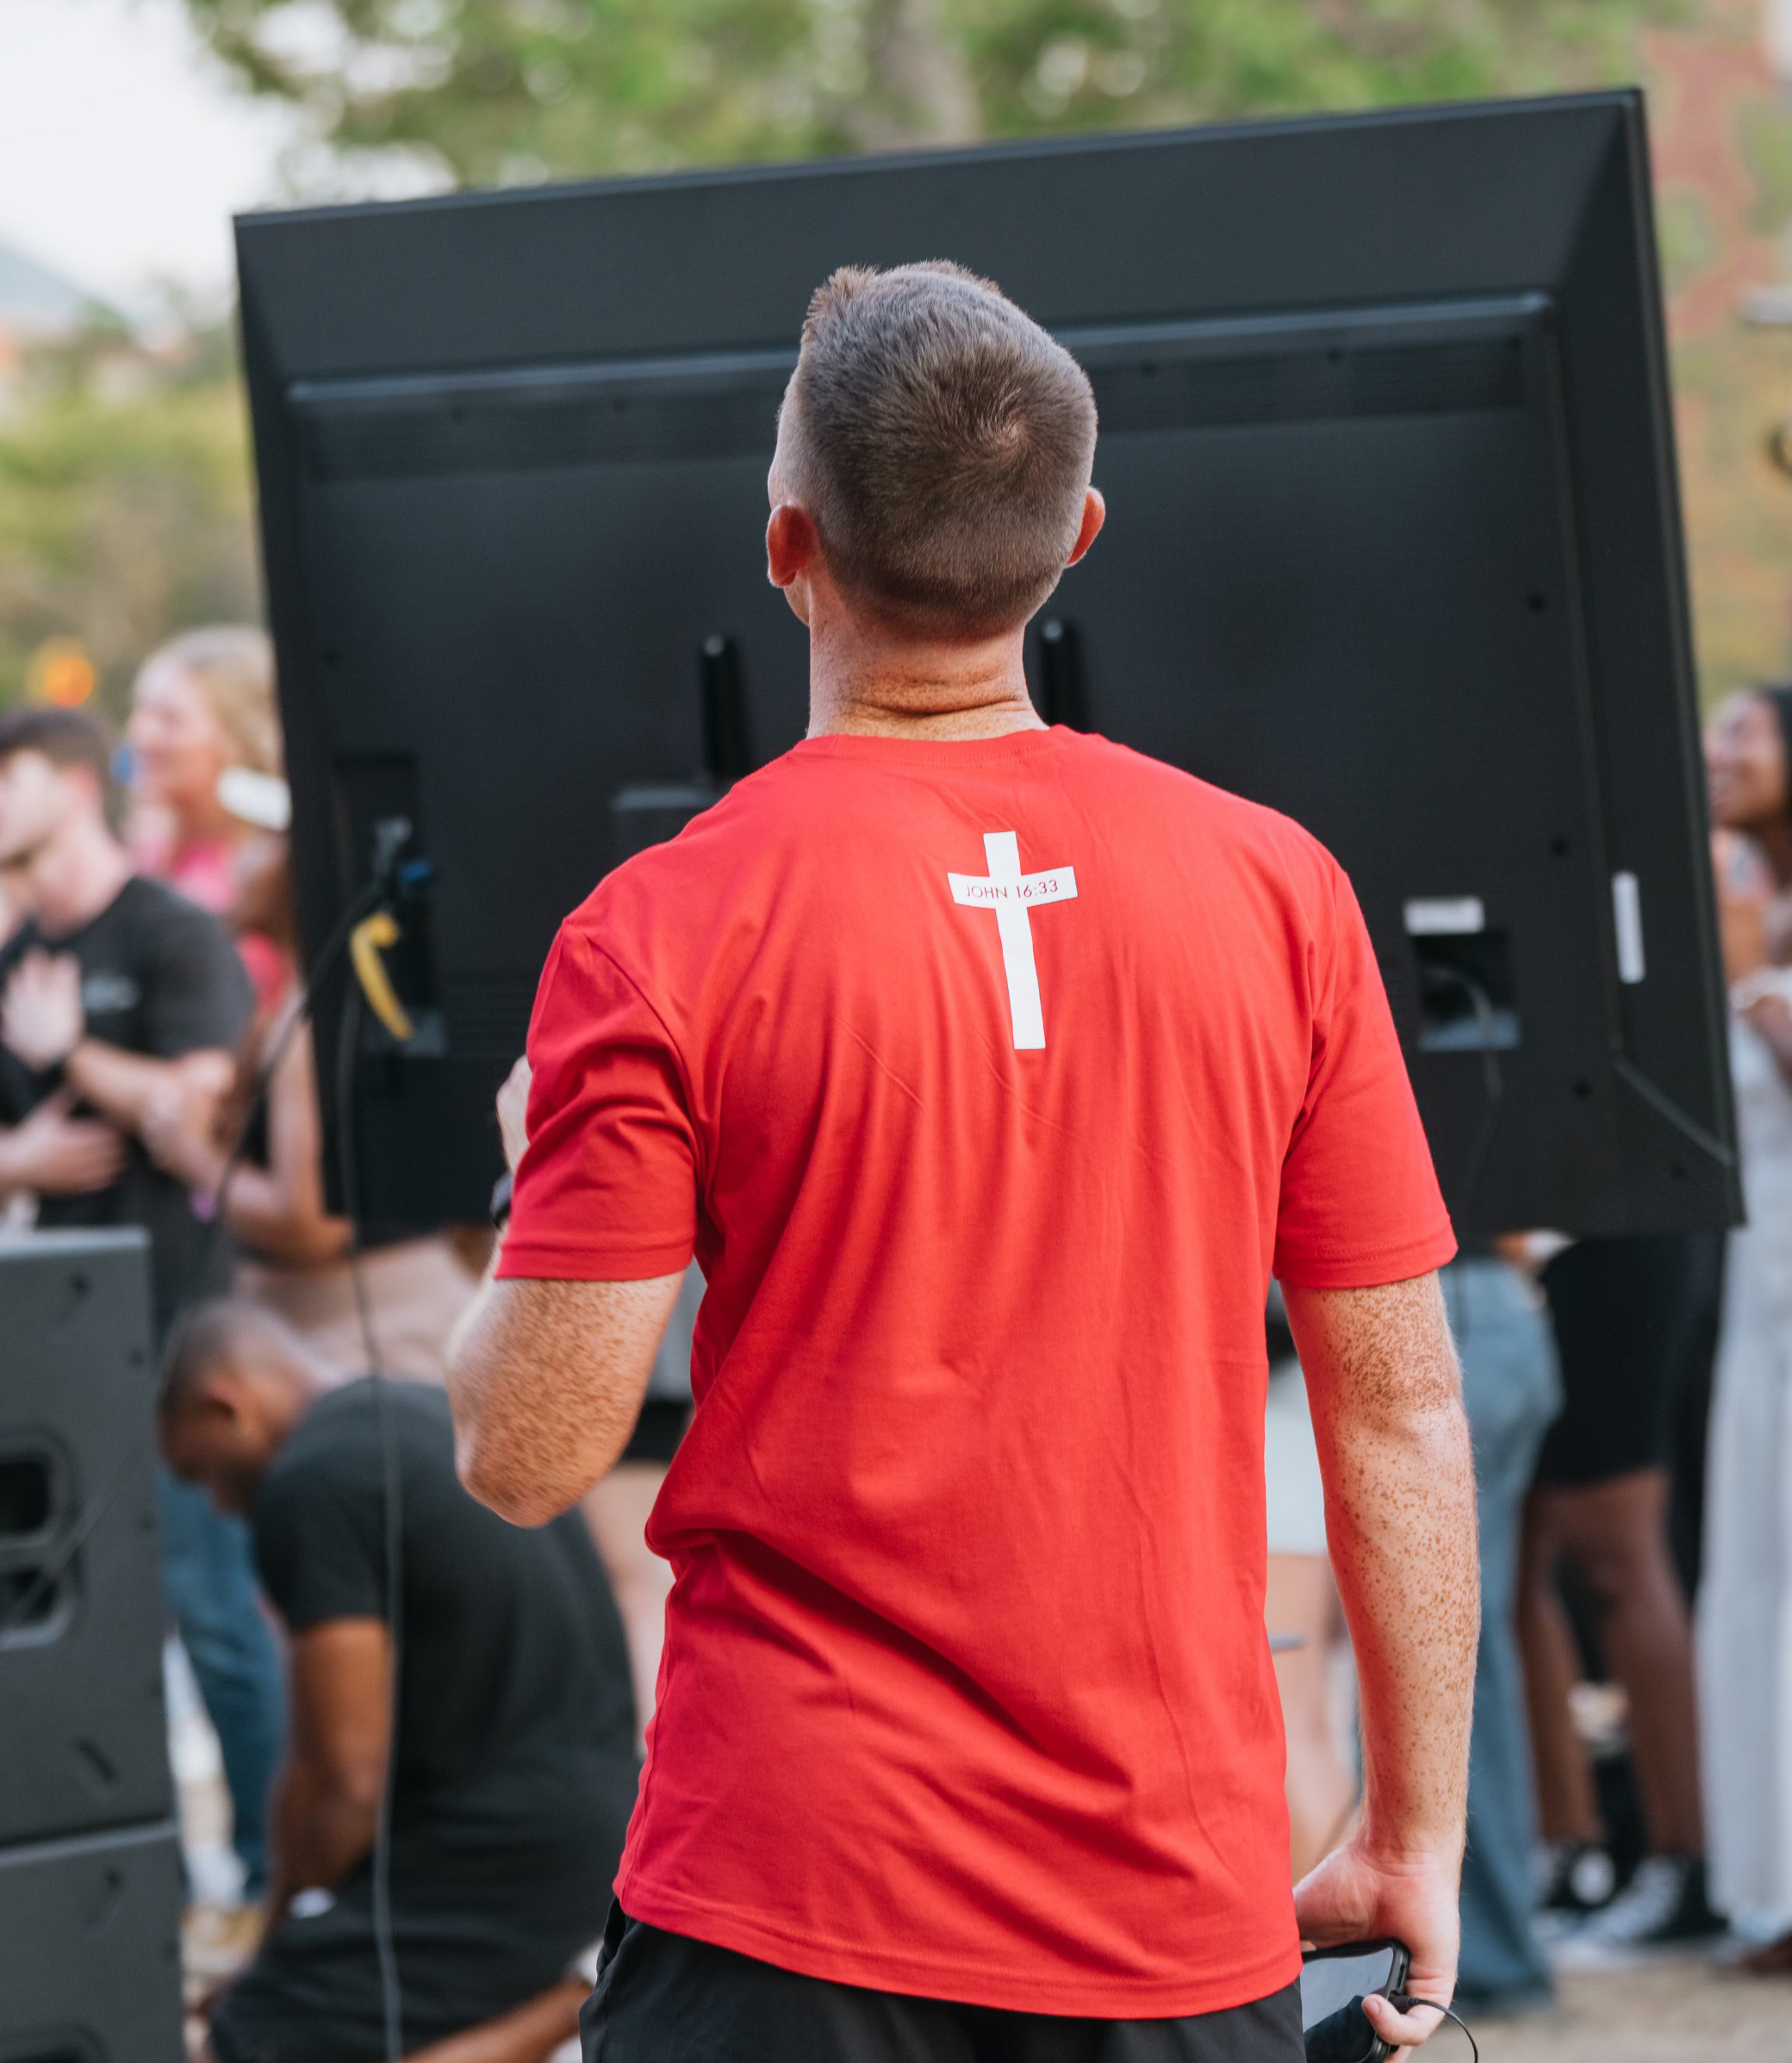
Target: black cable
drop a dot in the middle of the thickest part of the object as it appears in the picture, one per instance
(1404, 2002)
(1492, 1080)
(348, 1034)
(391, 1488)
(333, 947)
(50, 1571)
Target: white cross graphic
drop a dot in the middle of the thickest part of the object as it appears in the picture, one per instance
(1010, 894)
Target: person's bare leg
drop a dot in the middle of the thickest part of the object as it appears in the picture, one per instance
(1302, 1599)
(1567, 1805)
(616, 1511)
(1615, 1534)
(530, 2035)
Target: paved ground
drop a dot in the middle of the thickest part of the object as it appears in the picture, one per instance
(1674, 2012)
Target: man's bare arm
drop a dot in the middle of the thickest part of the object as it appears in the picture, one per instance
(546, 1380)
(125, 1086)
(53, 1155)
(43, 1021)
(1386, 1397)
(277, 1207)
(327, 1802)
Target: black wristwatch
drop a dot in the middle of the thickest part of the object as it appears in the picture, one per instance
(501, 1190)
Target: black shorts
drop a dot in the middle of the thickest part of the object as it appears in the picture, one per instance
(665, 1998)
(1629, 1315)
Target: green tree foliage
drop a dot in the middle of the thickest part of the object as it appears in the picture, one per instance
(124, 479)
(500, 90)
(124, 501)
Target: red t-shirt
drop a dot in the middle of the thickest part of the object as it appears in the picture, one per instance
(990, 1082)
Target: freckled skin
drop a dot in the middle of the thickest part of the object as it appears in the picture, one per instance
(1387, 1396)
(546, 1380)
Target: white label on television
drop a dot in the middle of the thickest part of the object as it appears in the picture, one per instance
(1444, 917)
(1627, 914)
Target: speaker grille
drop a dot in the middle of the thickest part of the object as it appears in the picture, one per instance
(37, 1570)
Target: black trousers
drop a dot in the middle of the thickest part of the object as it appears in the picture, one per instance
(664, 1998)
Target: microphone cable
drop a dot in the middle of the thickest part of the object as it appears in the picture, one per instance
(391, 1489)
(1404, 2002)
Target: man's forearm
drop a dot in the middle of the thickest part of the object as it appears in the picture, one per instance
(546, 1380)
(121, 1085)
(1400, 1517)
(321, 1829)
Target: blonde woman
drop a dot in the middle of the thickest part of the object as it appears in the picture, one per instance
(202, 704)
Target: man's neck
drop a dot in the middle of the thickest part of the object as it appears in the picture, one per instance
(75, 874)
(868, 685)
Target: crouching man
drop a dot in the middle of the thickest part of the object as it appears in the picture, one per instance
(512, 1769)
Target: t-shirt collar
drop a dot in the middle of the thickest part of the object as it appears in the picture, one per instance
(943, 752)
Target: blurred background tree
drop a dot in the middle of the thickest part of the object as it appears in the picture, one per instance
(124, 493)
(124, 505)
(490, 91)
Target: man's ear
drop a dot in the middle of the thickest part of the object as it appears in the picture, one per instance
(1095, 513)
(791, 544)
(216, 1400)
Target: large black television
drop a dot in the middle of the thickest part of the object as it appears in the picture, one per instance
(1393, 545)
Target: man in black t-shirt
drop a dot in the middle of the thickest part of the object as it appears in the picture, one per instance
(113, 993)
(512, 1758)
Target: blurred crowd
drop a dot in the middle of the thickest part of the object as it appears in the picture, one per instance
(154, 1073)
(1630, 1398)
(1631, 1405)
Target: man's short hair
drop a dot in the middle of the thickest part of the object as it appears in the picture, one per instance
(941, 443)
(207, 1336)
(64, 737)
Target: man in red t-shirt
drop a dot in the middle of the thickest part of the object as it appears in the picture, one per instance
(990, 1071)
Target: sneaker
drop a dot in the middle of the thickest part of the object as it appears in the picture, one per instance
(1576, 1877)
(1664, 1902)
(1771, 1959)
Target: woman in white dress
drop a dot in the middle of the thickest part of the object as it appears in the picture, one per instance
(1745, 1618)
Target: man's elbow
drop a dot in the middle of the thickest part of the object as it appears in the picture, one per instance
(357, 1785)
(512, 1492)
(486, 1470)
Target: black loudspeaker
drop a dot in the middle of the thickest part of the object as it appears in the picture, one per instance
(90, 1948)
(85, 1738)
(89, 1856)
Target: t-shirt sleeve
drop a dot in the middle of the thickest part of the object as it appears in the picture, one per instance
(318, 1557)
(608, 1189)
(1360, 1201)
(198, 995)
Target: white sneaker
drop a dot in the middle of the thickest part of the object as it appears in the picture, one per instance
(1663, 1904)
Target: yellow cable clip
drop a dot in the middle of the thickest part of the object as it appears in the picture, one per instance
(364, 945)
